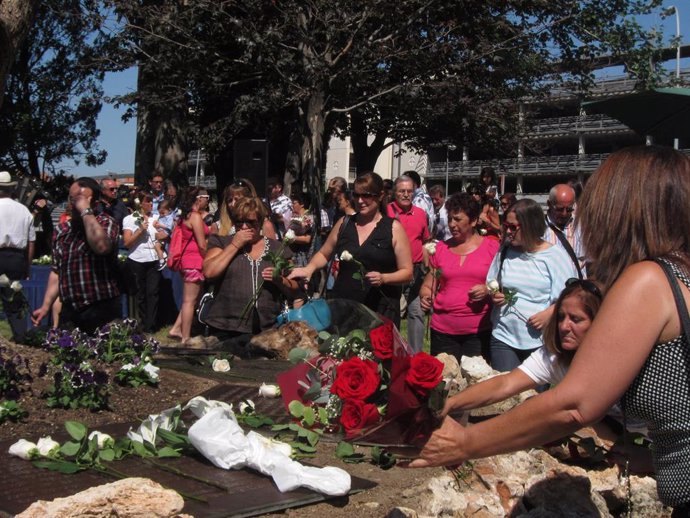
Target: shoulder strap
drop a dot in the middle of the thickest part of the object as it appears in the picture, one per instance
(346, 220)
(568, 248)
(501, 257)
(677, 295)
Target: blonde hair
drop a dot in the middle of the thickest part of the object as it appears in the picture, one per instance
(634, 208)
(239, 186)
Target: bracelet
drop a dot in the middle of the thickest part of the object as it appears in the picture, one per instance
(233, 244)
(382, 281)
(86, 212)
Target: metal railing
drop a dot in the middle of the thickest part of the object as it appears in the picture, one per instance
(563, 126)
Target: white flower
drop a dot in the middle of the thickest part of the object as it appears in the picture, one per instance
(269, 390)
(430, 247)
(104, 440)
(483, 232)
(200, 406)
(493, 286)
(23, 449)
(16, 286)
(47, 447)
(247, 406)
(127, 367)
(346, 256)
(4, 281)
(152, 371)
(221, 365)
(289, 236)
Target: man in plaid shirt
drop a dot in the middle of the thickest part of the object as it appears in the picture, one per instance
(84, 271)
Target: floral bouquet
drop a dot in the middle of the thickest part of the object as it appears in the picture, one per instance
(368, 381)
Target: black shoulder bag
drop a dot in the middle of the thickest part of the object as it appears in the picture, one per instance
(568, 248)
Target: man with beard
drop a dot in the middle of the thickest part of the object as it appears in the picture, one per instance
(560, 224)
(84, 269)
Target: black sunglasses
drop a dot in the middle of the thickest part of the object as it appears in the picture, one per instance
(586, 285)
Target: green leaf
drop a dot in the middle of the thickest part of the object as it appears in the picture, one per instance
(296, 408)
(344, 449)
(357, 276)
(167, 451)
(279, 427)
(313, 437)
(76, 430)
(306, 448)
(172, 438)
(298, 355)
(139, 449)
(58, 465)
(323, 416)
(107, 455)
(324, 335)
(70, 448)
(309, 416)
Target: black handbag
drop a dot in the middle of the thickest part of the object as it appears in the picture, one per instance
(204, 306)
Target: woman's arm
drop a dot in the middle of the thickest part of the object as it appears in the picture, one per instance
(218, 259)
(490, 391)
(320, 258)
(426, 292)
(403, 259)
(623, 334)
(196, 223)
(130, 238)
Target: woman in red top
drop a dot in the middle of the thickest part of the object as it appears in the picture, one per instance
(194, 233)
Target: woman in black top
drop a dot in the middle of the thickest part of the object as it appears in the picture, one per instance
(373, 249)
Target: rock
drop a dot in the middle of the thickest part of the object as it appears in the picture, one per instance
(402, 512)
(131, 497)
(452, 374)
(475, 369)
(443, 498)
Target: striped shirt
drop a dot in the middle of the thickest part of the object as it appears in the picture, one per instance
(539, 277)
(85, 277)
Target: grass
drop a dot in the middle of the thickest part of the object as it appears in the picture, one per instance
(5, 330)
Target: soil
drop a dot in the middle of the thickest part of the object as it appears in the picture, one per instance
(134, 404)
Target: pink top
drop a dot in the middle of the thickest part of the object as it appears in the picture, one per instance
(191, 257)
(454, 312)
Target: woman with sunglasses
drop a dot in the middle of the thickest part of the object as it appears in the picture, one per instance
(193, 207)
(573, 314)
(534, 272)
(248, 297)
(637, 349)
(241, 188)
(378, 259)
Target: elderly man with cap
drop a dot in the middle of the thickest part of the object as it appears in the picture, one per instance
(17, 237)
(85, 269)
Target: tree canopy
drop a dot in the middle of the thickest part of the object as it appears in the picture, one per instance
(53, 93)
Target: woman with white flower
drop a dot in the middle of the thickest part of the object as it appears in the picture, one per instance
(379, 250)
(140, 237)
(249, 294)
(531, 274)
(455, 287)
(637, 349)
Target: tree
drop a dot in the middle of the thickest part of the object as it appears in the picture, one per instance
(15, 20)
(404, 69)
(53, 93)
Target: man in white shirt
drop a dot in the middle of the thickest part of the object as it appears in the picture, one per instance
(560, 224)
(281, 206)
(438, 198)
(17, 237)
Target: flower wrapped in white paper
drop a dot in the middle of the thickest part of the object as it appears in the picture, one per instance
(218, 437)
(24, 449)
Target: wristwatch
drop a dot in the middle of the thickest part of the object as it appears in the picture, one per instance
(87, 212)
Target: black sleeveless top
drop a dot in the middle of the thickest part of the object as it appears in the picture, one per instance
(660, 395)
(376, 255)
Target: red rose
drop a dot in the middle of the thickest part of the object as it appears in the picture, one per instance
(357, 415)
(424, 374)
(382, 340)
(356, 379)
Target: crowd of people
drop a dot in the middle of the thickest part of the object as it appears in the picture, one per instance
(541, 298)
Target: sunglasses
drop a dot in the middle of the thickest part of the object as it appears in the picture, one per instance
(586, 285)
(512, 227)
(569, 210)
(249, 222)
(365, 195)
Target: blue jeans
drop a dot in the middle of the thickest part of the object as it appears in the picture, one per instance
(505, 358)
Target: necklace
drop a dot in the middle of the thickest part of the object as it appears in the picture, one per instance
(255, 265)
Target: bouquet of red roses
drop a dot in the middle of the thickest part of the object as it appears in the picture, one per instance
(367, 379)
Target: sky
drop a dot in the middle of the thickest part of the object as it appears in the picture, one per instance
(119, 138)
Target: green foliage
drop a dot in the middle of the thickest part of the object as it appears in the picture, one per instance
(14, 374)
(53, 93)
(11, 411)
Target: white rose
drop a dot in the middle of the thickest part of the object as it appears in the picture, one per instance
(152, 371)
(4, 281)
(104, 440)
(289, 236)
(47, 447)
(221, 365)
(269, 390)
(346, 256)
(23, 449)
(16, 286)
(430, 247)
(493, 286)
(483, 232)
(247, 406)
(127, 367)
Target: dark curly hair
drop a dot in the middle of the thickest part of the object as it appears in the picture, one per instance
(463, 202)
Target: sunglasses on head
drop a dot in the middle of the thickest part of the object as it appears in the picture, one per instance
(586, 285)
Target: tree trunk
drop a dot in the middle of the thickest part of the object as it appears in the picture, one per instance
(16, 17)
(312, 118)
(366, 154)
